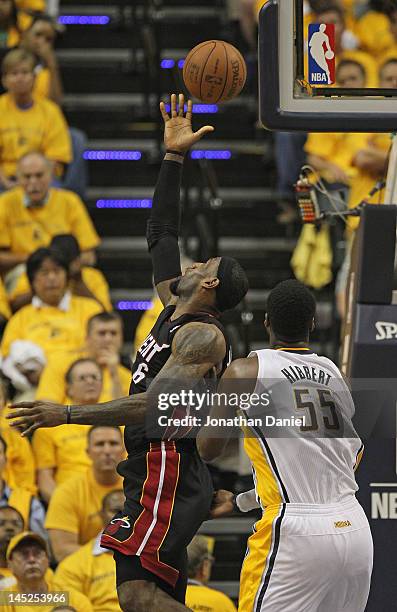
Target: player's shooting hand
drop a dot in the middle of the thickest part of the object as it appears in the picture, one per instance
(29, 416)
(222, 504)
(178, 133)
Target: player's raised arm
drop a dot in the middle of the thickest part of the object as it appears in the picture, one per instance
(196, 349)
(163, 225)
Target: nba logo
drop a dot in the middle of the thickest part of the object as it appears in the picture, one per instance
(321, 54)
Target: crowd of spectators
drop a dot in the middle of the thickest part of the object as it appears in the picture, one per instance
(60, 337)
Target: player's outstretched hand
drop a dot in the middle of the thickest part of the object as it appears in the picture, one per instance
(222, 504)
(28, 416)
(178, 133)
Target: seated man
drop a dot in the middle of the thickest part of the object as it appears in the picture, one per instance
(103, 344)
(28, 123)
(28, 506)
(198, 595)
(61, 453)
(11, 523)
(55, 320)
(84, 280)
(28, 558)
(91, 570)
(73, 516)
(33, 213)
(20, 467)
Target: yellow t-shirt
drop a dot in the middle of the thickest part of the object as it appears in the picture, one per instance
(363, 182)
(373, 30)
(338, 148)
(42, 82)
(62, 448)
(90, 571)
(75, 506)
(200, 597)
(42, 127)
(23, 230)
(4, 305)
(93, 278)
(52, 385)
(20, 468)
(78, 601)
(51, 328)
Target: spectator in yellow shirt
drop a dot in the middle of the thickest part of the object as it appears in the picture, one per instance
(32, 214)
(22, 499)
(73, 516)
(198, 595)
(55, 320)
(11, 523)
(103, 344)
(28, 123)
(39, 39)
(60, 452)
(28, 559)
(9, 31)
(20, 466)
(91, 570)
(84, 281)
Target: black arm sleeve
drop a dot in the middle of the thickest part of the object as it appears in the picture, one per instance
(163, 225)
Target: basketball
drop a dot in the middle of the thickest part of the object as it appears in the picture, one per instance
(214, 71)
(329, 55)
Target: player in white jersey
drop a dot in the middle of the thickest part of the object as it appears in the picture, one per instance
(312, 549)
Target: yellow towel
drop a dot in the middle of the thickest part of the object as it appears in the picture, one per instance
(312, 257)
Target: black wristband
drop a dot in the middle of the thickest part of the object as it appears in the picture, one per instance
(234, 501)
(68, 414)
(175, 153)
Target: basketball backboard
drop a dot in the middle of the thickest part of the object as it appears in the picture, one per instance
(300, 59)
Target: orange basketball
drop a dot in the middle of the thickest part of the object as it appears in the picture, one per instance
(214, 71)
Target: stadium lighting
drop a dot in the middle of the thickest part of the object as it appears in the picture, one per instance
(145, 203)
(112, 155)
(134, 305)
(167, 63)
(199, 108)
(210, 154)
(84, 19)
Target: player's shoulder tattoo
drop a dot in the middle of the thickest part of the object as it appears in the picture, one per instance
(198, 343)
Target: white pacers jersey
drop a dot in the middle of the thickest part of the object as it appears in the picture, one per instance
(302, 445)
